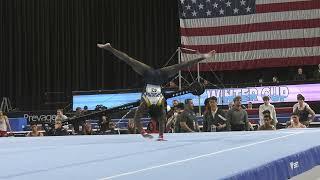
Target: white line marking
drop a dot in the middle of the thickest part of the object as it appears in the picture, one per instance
(196, 157)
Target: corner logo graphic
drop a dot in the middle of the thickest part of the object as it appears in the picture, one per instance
(294, 165)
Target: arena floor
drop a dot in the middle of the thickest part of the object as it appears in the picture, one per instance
(227, 155)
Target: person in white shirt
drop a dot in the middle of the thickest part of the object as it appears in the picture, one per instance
(60, 115)
(4, 125)
(267, 106)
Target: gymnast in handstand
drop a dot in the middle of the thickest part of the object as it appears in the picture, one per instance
(152, 98)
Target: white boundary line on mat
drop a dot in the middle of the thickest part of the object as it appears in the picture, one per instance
(196, 157)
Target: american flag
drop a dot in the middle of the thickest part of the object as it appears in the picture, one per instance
(250, 34)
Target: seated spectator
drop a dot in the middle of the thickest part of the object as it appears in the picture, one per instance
(112, 128)
(249, 105)
(153, 126)
(4, 125)
(104, 124)
(100, 107)
(58, 130)
(34, 131)
(173, 119)
(295, 123)
(304, 111)
(85, 110)
(60, 115)
(237, 117)
(87, 129)
(187, 120)
(267, 112)
(267, 123)
(131, 127)
(78, 112)
(77, 123)
(275, 79)
(300, 76)
(267, 106)
(316, 73)
(214, 118)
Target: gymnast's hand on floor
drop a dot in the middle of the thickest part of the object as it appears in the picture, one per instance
(104, 46)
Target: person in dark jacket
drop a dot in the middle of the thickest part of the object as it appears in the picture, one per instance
(58, 130)
(187, 120)
(214, 118)
(87, 130)
(237, 117)
(77, 123)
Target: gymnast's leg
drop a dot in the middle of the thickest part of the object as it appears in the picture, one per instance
(171, 71)
(162, 120)
(136, 65)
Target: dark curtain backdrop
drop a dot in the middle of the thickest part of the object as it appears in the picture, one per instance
(50, 45)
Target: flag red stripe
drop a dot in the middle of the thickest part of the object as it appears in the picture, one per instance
(288, 6)
(257, 45)
(261, 63)
(247, 28)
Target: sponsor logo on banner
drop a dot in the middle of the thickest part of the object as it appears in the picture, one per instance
(45, 118)
(277, 94)
(253, 94)
(294, 165)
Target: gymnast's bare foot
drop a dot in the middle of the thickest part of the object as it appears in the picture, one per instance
(209, 54)
(104, 46)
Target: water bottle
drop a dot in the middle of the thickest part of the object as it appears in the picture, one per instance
(213, 128)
